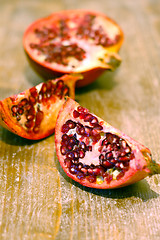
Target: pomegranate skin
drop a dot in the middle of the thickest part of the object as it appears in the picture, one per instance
(88, 76)
(140, 166)
(32, 114)
(93, 65)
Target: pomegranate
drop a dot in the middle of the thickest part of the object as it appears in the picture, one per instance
(97, 155)
(72, 41)
(32, 114)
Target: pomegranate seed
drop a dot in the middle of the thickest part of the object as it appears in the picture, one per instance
(119, 165)
(73, 141)
(32, 100)
(126, 164)
(76, 154)
(70, 155)
(94, 121)
(124, 158)
(81, 154)
(65, 91)
(89, 148)
(91, 179)
(82, 131)
(108, 178)
(18, 118)
(63, 150)
(82, 115)
(98, 171)
(68, 163)
(84, 170)
(104, 142)
(94, 132)
(88, 131)
(71, 124)
(101, 157)
(107, 164)
(96, 138)
(36, 129)
(65, 137)
(109, 155)
(31, 111)
(83, 146)
(58, 92)
(120, 175)
(39, 117)
(20, 111)
(29, 124)
(23, 102)
(81, 109)
(88, 117)
(59, 84)
(49, 85)
(65, 128)
(109, 148)
(40, 97)
(33, 92)
(73, 169)
(76, 114)
(14, 108)
(80, 176)
(98, 127)
(43, 88)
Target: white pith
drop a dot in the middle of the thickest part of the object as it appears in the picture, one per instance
(96, 55)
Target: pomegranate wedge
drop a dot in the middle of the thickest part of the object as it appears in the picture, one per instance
(72, 41)
(97, 155)
(32, 114)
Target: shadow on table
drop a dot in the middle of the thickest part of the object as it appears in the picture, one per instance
(105, 82)
(15, 140)
(140, 189)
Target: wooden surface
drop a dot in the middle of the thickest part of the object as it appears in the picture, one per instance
(37, 200)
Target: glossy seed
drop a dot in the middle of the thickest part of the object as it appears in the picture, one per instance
(65, 128)
(14, 108)
(76, 114)
(39, 117)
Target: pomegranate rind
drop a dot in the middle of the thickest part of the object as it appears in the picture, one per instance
(139, 166)
(50, 108)
(47, 71)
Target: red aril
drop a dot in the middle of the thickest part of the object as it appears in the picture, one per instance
(72, 41)
(32, 114)
(97, 155)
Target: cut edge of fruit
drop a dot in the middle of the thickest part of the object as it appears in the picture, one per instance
(109, 63)
(10, 123)
(141, 165)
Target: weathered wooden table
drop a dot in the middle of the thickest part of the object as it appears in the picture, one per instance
(37, 200)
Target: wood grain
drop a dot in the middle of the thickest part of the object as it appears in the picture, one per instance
(37, 200)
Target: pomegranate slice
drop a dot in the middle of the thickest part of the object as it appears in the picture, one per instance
(72, 41)
(32, 114)
(97, 155)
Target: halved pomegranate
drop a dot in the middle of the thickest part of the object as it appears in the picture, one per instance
(32, 114)
(97, 155)
(72, 41)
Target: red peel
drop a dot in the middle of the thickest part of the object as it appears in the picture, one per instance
(72, 41)
(32, 114)
(88, 169)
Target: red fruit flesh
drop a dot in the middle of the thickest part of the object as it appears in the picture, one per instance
(32, 114)
(72, 41)
(97, 155)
